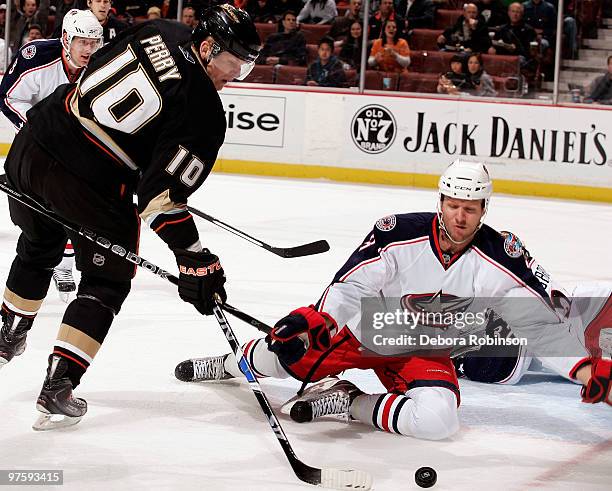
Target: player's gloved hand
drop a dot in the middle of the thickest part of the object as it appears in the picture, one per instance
(600, 383)
(301, 330)
(200, 278)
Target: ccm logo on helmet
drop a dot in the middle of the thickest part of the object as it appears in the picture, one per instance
(210, 269)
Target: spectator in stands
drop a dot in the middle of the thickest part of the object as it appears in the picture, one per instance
(493, 12)
(326, 70)
(111, 26)
(385, 12)
(392, 53)
(340, 28)
(542, 16)
(418, 14)
(455, 80)
(153, 13)
(351, 47)
(261, 11)
(34, 32)
(188, 16)
(600, 90)
(469, 33)
(570, 28)
(515, 37)
(282, 6)
(318, 12)
(479, 82)
(33, 13)
(2, 19)
(286, 47)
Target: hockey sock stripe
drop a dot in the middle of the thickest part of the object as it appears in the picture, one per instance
(389, 402)
(12, 310)
(376, 409)
(58, 350)
(20, 305)
(396, 413)
(249, 350)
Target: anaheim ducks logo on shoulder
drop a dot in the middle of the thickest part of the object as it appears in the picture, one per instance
(386, 223)
(435, 309)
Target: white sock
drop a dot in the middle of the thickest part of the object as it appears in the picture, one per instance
(264, 362)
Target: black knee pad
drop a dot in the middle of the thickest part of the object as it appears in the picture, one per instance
(110, 294)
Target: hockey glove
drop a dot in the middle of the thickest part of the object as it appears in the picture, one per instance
(200, 278)
(301, 330)
(598, 387)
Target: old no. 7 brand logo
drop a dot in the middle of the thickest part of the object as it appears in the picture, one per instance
(373, 129)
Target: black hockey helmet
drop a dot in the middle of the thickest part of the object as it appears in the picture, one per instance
(232, 29)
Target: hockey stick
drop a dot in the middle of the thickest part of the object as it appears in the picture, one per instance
(317, 247)
(327, 477)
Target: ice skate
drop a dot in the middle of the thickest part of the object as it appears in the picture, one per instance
(13, 336)
(64, 282)
(202, 369)
(58, 407)
(329, 397)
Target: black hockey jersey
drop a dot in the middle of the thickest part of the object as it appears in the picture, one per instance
(144, 114)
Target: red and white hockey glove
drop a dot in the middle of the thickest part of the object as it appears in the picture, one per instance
(600, 383)
(301, 330)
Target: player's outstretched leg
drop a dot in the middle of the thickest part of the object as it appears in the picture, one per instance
(202, 369)
(263, 362)
(57, 404)
(329, 397)
(62, 274)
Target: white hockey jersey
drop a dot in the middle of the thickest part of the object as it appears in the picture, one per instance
(36, 71)
(401, 259)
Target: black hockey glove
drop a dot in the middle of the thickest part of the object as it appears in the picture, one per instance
(600, 384)
(200, 278)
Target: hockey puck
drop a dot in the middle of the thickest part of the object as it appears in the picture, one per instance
(301, 412)
(425, 477)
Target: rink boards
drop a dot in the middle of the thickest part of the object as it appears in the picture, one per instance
(532, 149)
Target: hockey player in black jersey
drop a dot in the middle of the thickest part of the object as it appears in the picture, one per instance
(145, 119)
(37, 70)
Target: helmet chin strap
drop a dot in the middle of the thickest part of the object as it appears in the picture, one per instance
(447, 233)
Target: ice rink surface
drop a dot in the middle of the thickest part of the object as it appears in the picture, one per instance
(146, 430)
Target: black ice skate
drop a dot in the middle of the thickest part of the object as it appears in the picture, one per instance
(64, 282)
(13, 335)
(58, 406)
(329, 397)
(201, 369)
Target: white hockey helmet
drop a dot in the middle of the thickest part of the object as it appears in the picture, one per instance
(80, 23)
(465, 180)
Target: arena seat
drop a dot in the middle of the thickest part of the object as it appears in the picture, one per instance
(374, 80)
(261, 74)
(446, 18)
(424, 39)
(290, 75)
(265, 29)
(418, 82)
(314, 32)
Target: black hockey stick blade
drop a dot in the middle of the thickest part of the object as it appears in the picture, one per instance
(317, 247)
